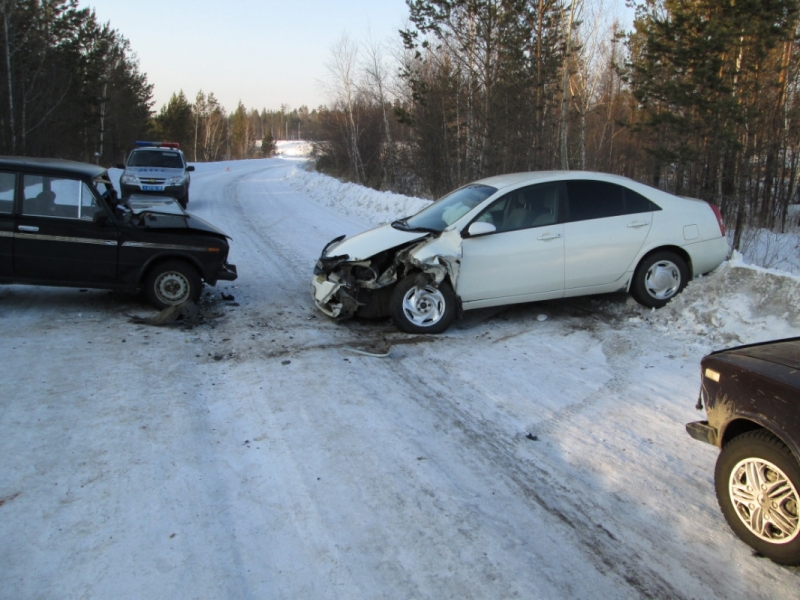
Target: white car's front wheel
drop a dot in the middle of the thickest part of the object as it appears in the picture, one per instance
(420, 307)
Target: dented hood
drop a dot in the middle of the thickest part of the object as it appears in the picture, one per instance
(369, 243)
(158, 220)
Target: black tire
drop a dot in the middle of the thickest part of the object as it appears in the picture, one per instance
(184, 202)
(764, 516)
(171, 283)
(659, 278)
(420, 307)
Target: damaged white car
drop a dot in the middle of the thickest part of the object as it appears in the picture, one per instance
(517, 238)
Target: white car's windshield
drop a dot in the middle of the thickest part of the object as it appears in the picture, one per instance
(156, 158)
(447, 210)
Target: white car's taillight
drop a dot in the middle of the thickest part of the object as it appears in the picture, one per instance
(718, 214)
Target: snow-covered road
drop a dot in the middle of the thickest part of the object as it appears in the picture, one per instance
(259, 456)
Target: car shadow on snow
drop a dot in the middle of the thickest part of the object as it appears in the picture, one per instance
(608, 308)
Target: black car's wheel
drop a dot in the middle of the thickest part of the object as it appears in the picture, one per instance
(659, 278)
(420, 307)
(757, 479)
(171, 283)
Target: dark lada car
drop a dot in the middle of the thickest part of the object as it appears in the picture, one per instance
(62, 225)
(752, 398)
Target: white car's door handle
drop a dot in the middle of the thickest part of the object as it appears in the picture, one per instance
(638, 224)
(549, 236)
(28, 228)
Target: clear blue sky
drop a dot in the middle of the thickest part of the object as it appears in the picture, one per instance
(263, 52)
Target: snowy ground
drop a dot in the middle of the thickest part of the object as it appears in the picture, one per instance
(536, 451)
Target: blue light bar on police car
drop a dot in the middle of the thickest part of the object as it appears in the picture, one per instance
(142, 144)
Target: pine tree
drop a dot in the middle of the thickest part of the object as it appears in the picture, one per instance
(708, 75)
(175, 122)
(268, 145)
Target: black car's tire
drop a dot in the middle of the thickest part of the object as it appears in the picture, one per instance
(172, 282)
(659, 278)
(420, 307)
(757, 480)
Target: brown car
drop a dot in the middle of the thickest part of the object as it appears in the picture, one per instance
(752, 398)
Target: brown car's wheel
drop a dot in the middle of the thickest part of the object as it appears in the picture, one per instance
(420, 307)
(757, 480)
(171, 283)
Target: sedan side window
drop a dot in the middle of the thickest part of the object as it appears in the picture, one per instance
(600, 199)
(533, 206)
(57, 197)
(7, 184)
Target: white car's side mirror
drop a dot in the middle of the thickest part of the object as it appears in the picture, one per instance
(481, 228)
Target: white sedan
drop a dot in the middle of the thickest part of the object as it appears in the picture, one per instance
(517, 238)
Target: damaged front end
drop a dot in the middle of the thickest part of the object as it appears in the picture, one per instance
(343, 287)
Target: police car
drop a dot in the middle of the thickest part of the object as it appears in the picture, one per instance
(156, 168)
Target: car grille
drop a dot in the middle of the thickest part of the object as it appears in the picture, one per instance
(152, 180)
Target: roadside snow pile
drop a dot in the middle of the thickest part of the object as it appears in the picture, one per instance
(355, 200)
(293, 148)
(772, 250)
(737, 303)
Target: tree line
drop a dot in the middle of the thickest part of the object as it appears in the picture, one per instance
(70, 87)
(699, 99)
(206, 132)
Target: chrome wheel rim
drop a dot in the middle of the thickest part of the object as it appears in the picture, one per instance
(172, 288)
(765, 500)
(424, 306)
(663, 279)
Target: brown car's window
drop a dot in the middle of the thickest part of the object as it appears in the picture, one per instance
(58, 197)
(7, 184)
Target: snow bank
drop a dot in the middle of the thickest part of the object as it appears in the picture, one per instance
(369, 205)
(293, 148)
(766, 248)
(737, 303)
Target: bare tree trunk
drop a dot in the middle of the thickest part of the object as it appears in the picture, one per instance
(342, 67)
(376, 71)
(11, 123)
(565, 95)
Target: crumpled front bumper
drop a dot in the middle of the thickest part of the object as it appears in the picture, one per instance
(228, 272)
(324, 291)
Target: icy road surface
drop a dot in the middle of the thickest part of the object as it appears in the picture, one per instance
(258, 456)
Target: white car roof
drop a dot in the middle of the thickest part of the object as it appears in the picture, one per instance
(501, 181)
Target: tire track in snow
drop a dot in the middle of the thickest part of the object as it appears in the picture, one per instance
(558, 500)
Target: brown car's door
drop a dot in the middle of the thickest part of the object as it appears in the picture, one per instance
(7, 187)
(56, 239)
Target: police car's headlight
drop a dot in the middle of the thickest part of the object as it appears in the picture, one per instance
(177, 180)
(129, 179)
